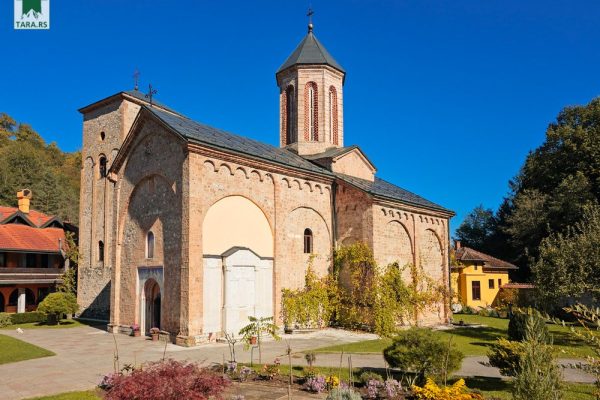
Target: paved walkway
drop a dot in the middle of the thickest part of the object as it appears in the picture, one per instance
(85, 354)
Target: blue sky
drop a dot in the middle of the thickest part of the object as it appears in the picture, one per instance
(445, 97)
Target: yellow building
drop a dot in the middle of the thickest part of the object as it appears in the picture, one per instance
(476, 278)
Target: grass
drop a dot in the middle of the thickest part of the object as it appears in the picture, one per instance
(501, 389)
(476, 341)
(66, 323)
(85, 395)
(14, 350)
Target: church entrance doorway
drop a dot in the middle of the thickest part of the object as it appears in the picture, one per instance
(248, 288)
(151, 305)
(240, 297)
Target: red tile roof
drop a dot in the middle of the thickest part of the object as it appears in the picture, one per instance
(26, 238)
(36, 217)
(468, 254)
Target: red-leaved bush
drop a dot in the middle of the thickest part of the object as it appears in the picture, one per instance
(168, 380)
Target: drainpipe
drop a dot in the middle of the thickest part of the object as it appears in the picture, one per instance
(449, 274)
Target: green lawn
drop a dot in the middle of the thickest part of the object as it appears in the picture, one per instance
(86, 395)
(13, 350)
(475, 341)
(66, 323)
(501, 389)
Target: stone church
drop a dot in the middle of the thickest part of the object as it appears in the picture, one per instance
(192, 229)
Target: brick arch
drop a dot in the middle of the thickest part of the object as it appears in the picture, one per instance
(333, 99)
(236, 221)
(431, 254)
(398, 244)
(315, 115)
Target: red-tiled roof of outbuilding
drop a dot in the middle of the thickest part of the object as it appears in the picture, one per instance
(19, 237)
(468, 254)
(36, 217)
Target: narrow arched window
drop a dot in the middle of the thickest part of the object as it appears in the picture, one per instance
(290, 116)
(311, 107)
(100, 250)
(333, 115)
(102, 167)
(308, 241)
(150, 245)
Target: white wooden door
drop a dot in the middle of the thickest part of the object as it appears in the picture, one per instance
(240, 297)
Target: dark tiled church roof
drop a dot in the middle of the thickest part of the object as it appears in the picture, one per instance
(309, 52)
(217, 138)
(388, 190)
(214, 137)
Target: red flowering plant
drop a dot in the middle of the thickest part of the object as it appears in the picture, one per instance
(165, 380)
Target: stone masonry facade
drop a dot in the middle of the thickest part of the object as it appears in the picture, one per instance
(147, 191)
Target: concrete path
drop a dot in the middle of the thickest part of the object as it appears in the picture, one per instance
(85, 354)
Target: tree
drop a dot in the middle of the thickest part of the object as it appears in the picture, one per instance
(420, 351)
(57, 304)
(538, 376)
(258, 327)
(477, 228)
(27, 162)
(567, 263)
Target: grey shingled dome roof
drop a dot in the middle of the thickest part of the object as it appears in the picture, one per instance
(310, 52)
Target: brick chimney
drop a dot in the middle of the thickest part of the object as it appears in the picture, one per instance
(24, 196)
(457, 245)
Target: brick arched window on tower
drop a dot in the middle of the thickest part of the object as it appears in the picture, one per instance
(102, 167)
(308, 241)
(333, 115)
(311, 112)
(150, 245)
(290, 116)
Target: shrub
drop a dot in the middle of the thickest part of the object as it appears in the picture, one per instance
(392, 388)
(517, 325)
(373, 386)
(431, 391)
(420, 350)
(27, 317)
(506, 355)
(59, 303)
(315, 384)
(5, 320)
(343, 394)
(538, 376)
(167, 380)
(369, 375)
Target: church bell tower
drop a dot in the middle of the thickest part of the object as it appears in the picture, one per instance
(311, 98)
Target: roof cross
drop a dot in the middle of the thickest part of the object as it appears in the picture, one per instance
(309, 14)
(136, 78)
(151, 92)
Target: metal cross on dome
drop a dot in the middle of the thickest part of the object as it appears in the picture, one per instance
(136, 78)
(151, 92)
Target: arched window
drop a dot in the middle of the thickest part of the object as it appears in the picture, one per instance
(102, 167)
(102, 135)
(311, 107)
(100, 250)
(333, 115)
(308, 241)
(290, 116)
(150, 245)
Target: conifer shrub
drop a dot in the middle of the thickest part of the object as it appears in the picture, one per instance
(538, 376)
(166, 380)
(517, 325)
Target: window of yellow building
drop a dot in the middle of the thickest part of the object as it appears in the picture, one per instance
(491, 282)
(476, 289)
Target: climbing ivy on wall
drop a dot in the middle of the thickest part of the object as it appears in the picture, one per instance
(360, 295)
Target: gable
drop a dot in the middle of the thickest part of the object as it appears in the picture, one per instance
(354, 163)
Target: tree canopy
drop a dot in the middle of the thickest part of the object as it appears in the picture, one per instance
(27, 161)
(556, 183)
